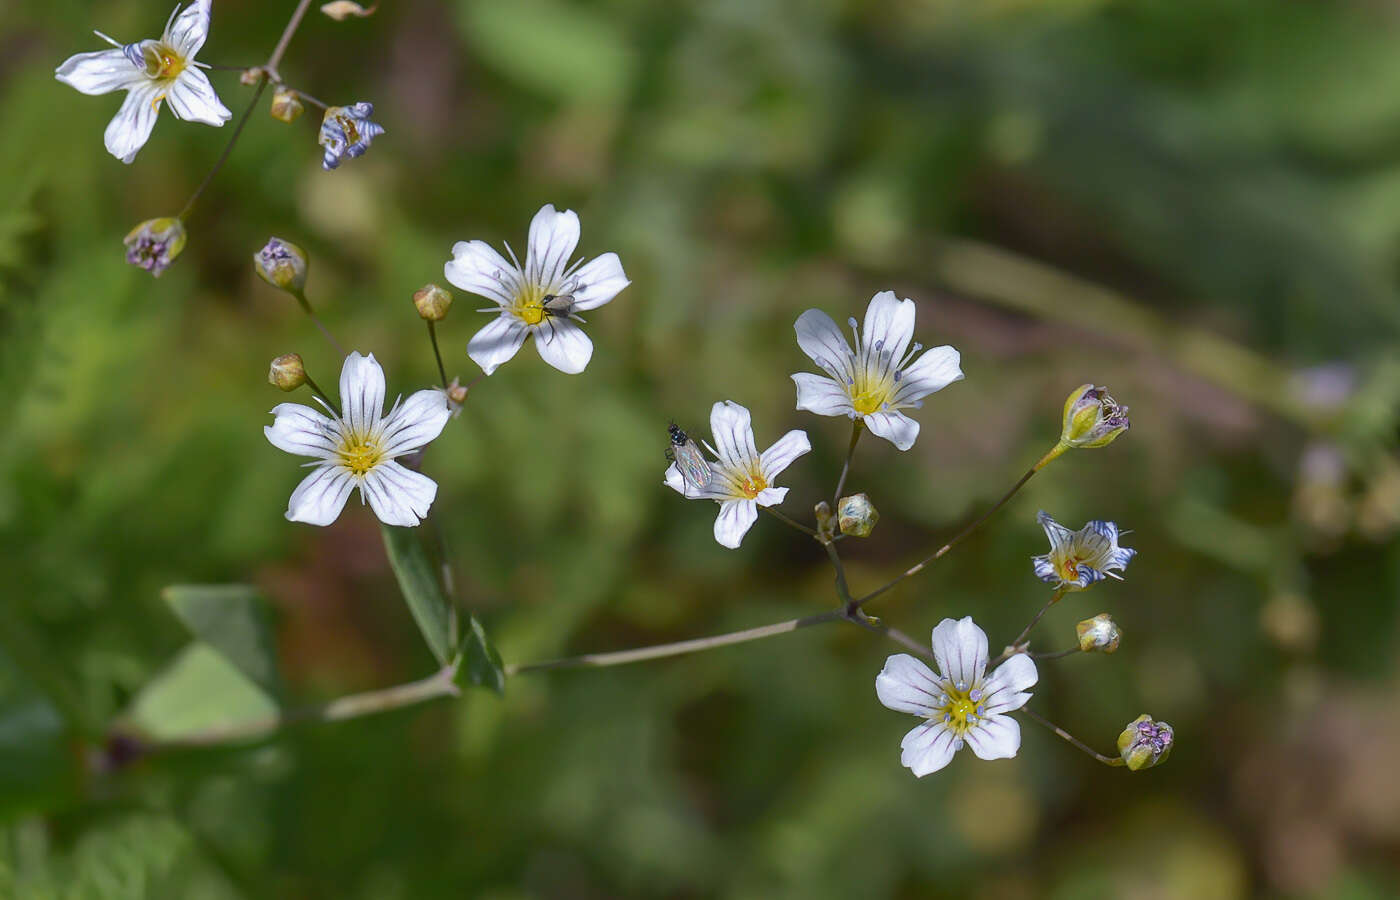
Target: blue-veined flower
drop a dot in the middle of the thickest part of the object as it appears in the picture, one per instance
(346, 132)
(877, 379)
(541, 298)
(150, 71)
(357, 449)
(962, 703)
(741, 479)
(1077, 559)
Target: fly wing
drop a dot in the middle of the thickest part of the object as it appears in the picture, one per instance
(694, 469)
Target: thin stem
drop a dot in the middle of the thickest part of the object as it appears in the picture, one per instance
(325, 332)
(857, 427)
(228, 148)
(1025, 632)
(432, 336)
(843, 590)
(310, 99)
(958, 538)
(659, 651)
(275, 59)
(1106, 760)
(894, 634)
(316, 389)
(1059, 654)
(782, 518)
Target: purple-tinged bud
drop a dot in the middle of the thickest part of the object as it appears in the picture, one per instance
(154, 244)
(432, 302)
(1098, 633)
(287, 372)
(1145, 743)
(857, 515)
(1092, 418)
(282, 264)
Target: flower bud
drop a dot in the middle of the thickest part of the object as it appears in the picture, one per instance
(1092, 418)
(287, 372)
(1098, 633)
(250, 77)
(282, 264)
(823, 514)
(857, 515)
(154, 244)
(1145, 743)
(456, 397)
(432, 302)
(286, 106)
(340, 10)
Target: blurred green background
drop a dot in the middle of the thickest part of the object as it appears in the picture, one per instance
(1195, 202)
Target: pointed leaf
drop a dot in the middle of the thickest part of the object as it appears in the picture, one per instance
(199, 691)
(479, 663)
(231, 618)
(422, 590)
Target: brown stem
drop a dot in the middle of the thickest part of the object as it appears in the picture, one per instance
(275, 59)
(1106, 760)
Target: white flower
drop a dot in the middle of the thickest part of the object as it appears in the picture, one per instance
(541, 298)
(741, 480)
(961, 705)
(357, 449)
(878, 379)
(1077, 559)
(150, 71)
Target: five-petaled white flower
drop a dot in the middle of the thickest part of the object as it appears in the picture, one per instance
(741, 480)
(541, 298)
(1077, 559)
(878, 378)
(357, 448)
(961, 705)
(150, 71)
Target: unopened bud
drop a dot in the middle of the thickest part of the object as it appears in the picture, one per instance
(154, 244)
(287, 372)
(456, 397)
(432, 302)
(286, 106)
(340, 10)
(1098, 633)
(857, 515)
(823, 513)
(251, 76)
(1092, 418)
(1145, 743)
(282, 264)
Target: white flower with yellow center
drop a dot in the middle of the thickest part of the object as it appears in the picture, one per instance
(963, 705)
(358, 448)
(150, 71)
(541, 298)
(877, 379)
(741, 479)
(1077, 559)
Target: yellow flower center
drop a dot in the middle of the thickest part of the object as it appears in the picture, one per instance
(751, 485)
(960, 712)
(162, 61)
(529, 305)
(352, 132)
(868, 396)
(359, 455)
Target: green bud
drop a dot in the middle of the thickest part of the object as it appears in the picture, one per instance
(432, 302)
(823, 513)
(1098, 633)
(857, 515)
(1092, 418)
(154, 244)
(287, 372)
(282, 264)
(1145, 743)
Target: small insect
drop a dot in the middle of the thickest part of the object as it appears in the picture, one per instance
(689, 460)
(559, 306)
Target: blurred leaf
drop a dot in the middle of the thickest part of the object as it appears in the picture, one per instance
(480, 663)
(232, 619)
(35, 762)
(199, 691)
(421, 589)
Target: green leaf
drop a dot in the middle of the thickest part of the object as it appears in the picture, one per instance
(421, 589)
(231, 618)
(479, 662)
(200, 690)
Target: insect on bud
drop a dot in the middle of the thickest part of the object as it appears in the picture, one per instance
(1145, 743)
(1092, 418)
(857, 515)
(1098, 633)
(154, 244)
(287, 372)
(282, 264)
(286, 106)
(432, 302)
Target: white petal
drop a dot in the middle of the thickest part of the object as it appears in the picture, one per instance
(553, 237)
(928, 748)
(889, 322)
(779, 456)
(735, 518)
(321, 496)
(398, 496)
(415, 423)
(131, 126)
(995, 737)
(821, 395)
(100, 72)
(1004, 690)
(676, 481)
(190, 28)
(192, 98)
(732, 427)
(497, 342)
(1044, 569)
(822, 341)
(361, 392)
(905, 684)
(895, 427)
(302, 430)
(933, 371)
(563, 345)
(599, 281)
(770, 496)
(1057, 534)
(960, 650)
(477, 268)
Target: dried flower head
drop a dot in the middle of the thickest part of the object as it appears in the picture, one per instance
(1092, 418)
(1145, 743)
(1098, 633)
(346, 132)
(154, 244)
(282, 264)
